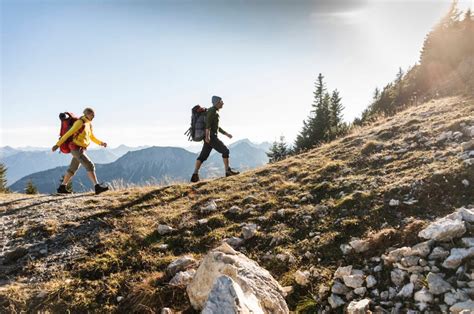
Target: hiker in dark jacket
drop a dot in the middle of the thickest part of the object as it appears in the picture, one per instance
(82, 134)
(211, 141)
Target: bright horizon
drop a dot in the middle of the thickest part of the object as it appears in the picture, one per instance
(143, 65)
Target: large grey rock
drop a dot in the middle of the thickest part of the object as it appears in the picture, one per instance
(457, 256)
(180, 264)
(444, 229)
(256, 283)
(436, 284)
(359, 307)
(227, 297)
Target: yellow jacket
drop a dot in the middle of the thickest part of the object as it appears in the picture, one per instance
(82, 139)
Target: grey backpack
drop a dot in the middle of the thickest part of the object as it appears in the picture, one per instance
(197, 131)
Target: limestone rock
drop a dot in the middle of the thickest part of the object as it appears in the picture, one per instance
(438, 253)
(407, 291)
(335, 301)
(249, 231)
(360, 246)
(424, 296)
(371, 281)
(398, 276)
(457, 256)
(359, 307)
(302, 277)
(343, 271)
(255, 282)
(467, 214)
(227, 296)
(468, 242)
(463, 307)
(436, 284)
(422, 249)
(354, 281)
(339, 288)
(180, 264)
(183, 278)
(444, 229)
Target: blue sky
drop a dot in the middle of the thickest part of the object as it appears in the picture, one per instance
(143, 64)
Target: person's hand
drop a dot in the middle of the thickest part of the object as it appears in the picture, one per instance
(55, 147)
(103, 144)
(229, 135)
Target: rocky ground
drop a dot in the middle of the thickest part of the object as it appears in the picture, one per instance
(347, 203)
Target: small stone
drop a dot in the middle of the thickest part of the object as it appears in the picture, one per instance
(465, 183)
(423, 296)
(183, 278)
(467, 214)
(360, 246)
(234, 210)
(281, 212)
(164, 229)
(436, 284)
(335, 301)
(407, 291)
(180, 264)
(410, 261)
(119, 299)
(397, 254)
(438, 253)
(457, 256)
(302, 277)
(360, 291)
(467, 242)
(339, 288)
(378, 268)
(343, 271)
(444, 229)
(371, 281)
(203, 221)
(210, 207)
(422, 249)
(384, 295)
(398, 276)
(463, 307)
(346, 249)
(394, 202)
(166, 310)
(249, 231)
(359, 307)
(354, 281)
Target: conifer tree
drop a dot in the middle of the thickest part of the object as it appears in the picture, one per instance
(30, 188)
(278, 151)
(335, 114)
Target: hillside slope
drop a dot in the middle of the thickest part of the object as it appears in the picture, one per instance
(104, 254)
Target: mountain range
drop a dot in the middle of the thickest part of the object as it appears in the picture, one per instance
(149, 166)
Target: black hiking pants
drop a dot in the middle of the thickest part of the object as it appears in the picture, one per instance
(216, 144)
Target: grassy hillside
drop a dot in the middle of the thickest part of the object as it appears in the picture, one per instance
(103, 254)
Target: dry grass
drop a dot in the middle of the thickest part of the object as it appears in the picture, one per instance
(344, 187)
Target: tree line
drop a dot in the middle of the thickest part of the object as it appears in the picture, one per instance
(445, 67)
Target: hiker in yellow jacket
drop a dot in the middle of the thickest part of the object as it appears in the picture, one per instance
(82, 137)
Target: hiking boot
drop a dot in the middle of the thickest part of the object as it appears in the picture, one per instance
(63, 190)
(100, 188)
(231, 172)
(195, 178)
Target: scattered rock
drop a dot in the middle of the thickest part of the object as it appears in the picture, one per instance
(180, 264)
(164, 229)
(360, 246)
(335, 301)
(234, 209)
(183, 278)
(302, 277)
(407, 291)
(249, 231)
(210, 207)
(462, 307)
(339, 288)
(394, 202)
(457, 256)
(354, 281)
(371, 281)
(398, 276)
(436, 284)
(444, 229)
(235, 242)
(341, 272)
(359, 307)
(438, 253)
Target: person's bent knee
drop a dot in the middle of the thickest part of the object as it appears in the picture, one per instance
(202, 159)
(90, 167)
(225, 154)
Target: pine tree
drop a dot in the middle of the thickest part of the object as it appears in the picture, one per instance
(335, 114)
(278, 151)
(302, 141)
(320, 123)
(30, 188)
(3, 179)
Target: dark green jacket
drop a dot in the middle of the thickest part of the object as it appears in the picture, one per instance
(212, 121)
